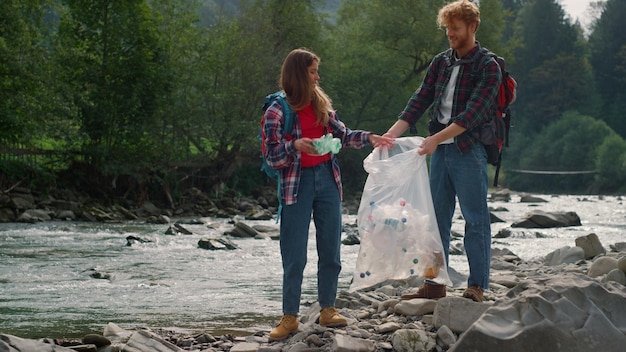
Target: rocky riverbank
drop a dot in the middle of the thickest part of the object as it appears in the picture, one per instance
(572, 300)
(21, 204)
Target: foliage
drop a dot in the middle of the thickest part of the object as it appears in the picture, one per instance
(27, 96)
(608, 59)
(371, 83)
(166, 94)
(569, 144)
(550, 63)
(110, 51)
(611, 165)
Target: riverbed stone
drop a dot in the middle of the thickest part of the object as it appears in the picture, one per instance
(568, 312)
(621, 264)
(245, 347)
(458, 313)
(10, 343)
(542, 219)
(602, 266)
(446, 336)
(564, 255)
(417, 306)
(616, 275)
(343, 343)
(591, 245)
(411, 340)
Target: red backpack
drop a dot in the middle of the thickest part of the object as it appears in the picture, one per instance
(494, 134)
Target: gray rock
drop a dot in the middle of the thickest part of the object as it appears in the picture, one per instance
(23, 201)
(616, 275)
(618, 247)
(417, 306)
(260, 214)
(591, 245)
(245, 347)
(446, 336)
(10, 343)
(216, 244)
(343, 343)
(243, 230)
(602, 266)
(458, 313)
(564, 255)
(503, 195)
(527, 198)
(621, 264)
(568, 312)
(34, 215)
(146, 341)
(410, 340)
(66, 215)
(541, 219)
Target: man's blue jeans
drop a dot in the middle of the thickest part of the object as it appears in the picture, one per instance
(317, 194)
(453, 174)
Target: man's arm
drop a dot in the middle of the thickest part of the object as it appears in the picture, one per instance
(430, 143)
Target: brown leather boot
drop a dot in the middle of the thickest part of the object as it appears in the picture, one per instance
(287, 325)
(475, 293)
(429, 289)
(331, 318)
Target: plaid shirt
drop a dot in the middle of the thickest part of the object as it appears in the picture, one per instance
(282, 155)
(474, 95)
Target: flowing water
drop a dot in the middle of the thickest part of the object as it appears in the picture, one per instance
(47, 288)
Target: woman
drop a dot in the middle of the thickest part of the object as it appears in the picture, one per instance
(310, 184)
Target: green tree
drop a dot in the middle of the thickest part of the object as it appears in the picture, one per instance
(110, 52)
(552, 54)
(569, 144)
(26, 94)
(608, 59)
(236, 66)
(611, 166)
(379, 55)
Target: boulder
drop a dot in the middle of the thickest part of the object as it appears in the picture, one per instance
(564, 255)
(10, 343)
(591, 245)
(569, 312)
(541, 219)
(526, 198)
(242, 229)
(602, 266)
(216, 244)
(621, 264)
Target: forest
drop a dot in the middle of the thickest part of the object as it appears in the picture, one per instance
(146, 98)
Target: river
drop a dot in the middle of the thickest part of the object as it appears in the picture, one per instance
(47, 290)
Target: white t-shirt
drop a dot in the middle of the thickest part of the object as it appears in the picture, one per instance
(445, 108)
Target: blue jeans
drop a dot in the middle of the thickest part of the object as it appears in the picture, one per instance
(453, 174)
(317, 194)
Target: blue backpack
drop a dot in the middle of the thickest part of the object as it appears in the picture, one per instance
(288, 116)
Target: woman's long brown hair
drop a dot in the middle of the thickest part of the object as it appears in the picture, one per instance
(294, 80)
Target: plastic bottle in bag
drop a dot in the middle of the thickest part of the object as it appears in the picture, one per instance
(398, 223)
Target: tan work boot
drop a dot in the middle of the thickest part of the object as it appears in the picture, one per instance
(331, 318)
(287, 325)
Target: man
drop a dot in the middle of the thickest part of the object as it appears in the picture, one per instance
(460, 99)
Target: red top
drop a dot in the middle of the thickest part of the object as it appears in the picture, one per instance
(310, 129)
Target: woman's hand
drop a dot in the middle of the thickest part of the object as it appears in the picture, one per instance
(305, 145)
(381, 141)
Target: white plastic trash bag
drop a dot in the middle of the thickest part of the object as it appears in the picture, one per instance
(396, 219)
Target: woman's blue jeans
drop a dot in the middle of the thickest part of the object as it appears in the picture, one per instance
(452, 175)
(317, 194)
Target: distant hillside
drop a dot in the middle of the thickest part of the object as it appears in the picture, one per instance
(210, 10)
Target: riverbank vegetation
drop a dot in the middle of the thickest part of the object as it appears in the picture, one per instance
(143, 99)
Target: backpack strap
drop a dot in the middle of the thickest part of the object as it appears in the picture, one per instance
(288, 116)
